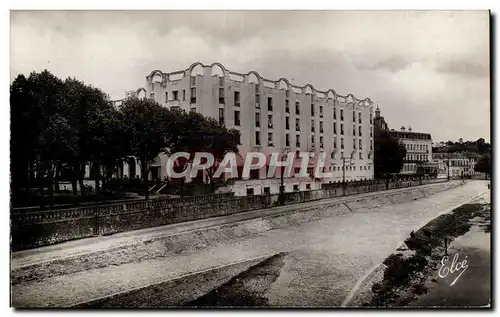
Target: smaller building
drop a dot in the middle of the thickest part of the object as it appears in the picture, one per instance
(456, 165)
(418, 160)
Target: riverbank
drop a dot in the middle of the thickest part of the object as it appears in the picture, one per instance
(415, 276)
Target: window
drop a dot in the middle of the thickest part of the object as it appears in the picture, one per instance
(267, 190)
(296, 187)
(335, 128)
(321, 111)
(297, 140)
(341, 129)
(287, 105)
(342, 114)
(269, 103)
(257, 137)
(335, 143)
(308, 186)
(287, 139)
(257, 101)
(360, 155)
(193, 95)
(321, 142)
(297, 124)
(270, 121)
(183, 94)
(297, 108)
(257, 88)
(287, 123)
(312, 140)
(312, 125)
(342, 156)
(359, 128)
(236, 98)
(221, 81)
(371, 145)
(193, 81)
(176, 95)
(152, 95)
(222, 99)
(371, 118)
(249, 191)
(342, 143)
(270, 139)
(236, 118)
(353, 130)
(321, 127)
(334, 113)
(354, 144)
(221, 116)
(312, 109)
(166, 96)
(353, 116)
(371, 132)
(359, 118)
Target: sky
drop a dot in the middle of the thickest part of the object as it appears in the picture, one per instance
(425, 69)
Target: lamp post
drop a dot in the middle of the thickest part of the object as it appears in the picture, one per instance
(343, 171)
(282, 182)
(448, 163)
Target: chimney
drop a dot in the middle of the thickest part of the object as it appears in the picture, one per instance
(409, 129)
(403, 129)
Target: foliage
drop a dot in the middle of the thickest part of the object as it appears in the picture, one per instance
(483, 165)
(479, 146)
(61, 127)
(389, 155)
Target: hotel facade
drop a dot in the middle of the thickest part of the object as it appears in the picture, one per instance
(272, 116)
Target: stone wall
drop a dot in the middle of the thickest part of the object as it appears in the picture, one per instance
(34, 229)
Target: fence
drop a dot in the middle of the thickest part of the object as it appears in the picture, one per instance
(34, 229)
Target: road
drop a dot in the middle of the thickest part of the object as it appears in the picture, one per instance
(320, 261)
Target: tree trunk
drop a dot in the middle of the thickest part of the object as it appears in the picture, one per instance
(82, 186)
(145, 180)
(182, 186)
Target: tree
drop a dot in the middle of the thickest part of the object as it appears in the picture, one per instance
(483, 165)
(192, 132)
(90, 112)
(144, 123)
(38, 130)
(389, 155)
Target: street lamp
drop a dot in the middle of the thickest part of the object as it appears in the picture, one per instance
(282, 172)
(448, 163)
(343, 171)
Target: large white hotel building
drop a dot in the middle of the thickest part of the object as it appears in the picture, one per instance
(272, 116)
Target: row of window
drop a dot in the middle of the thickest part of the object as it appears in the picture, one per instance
(417, 147)
(313, 141)
(416, 157)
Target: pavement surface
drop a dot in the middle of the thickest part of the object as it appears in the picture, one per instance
(320, 264)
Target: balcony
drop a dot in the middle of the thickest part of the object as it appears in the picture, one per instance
(173, 103)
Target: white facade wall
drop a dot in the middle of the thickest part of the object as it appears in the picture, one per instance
(212, 90)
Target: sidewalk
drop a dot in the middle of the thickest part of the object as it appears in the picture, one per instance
(89, 245)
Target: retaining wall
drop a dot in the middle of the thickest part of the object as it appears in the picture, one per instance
(34, 229)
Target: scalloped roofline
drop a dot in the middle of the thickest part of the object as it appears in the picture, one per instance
(261, 79)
